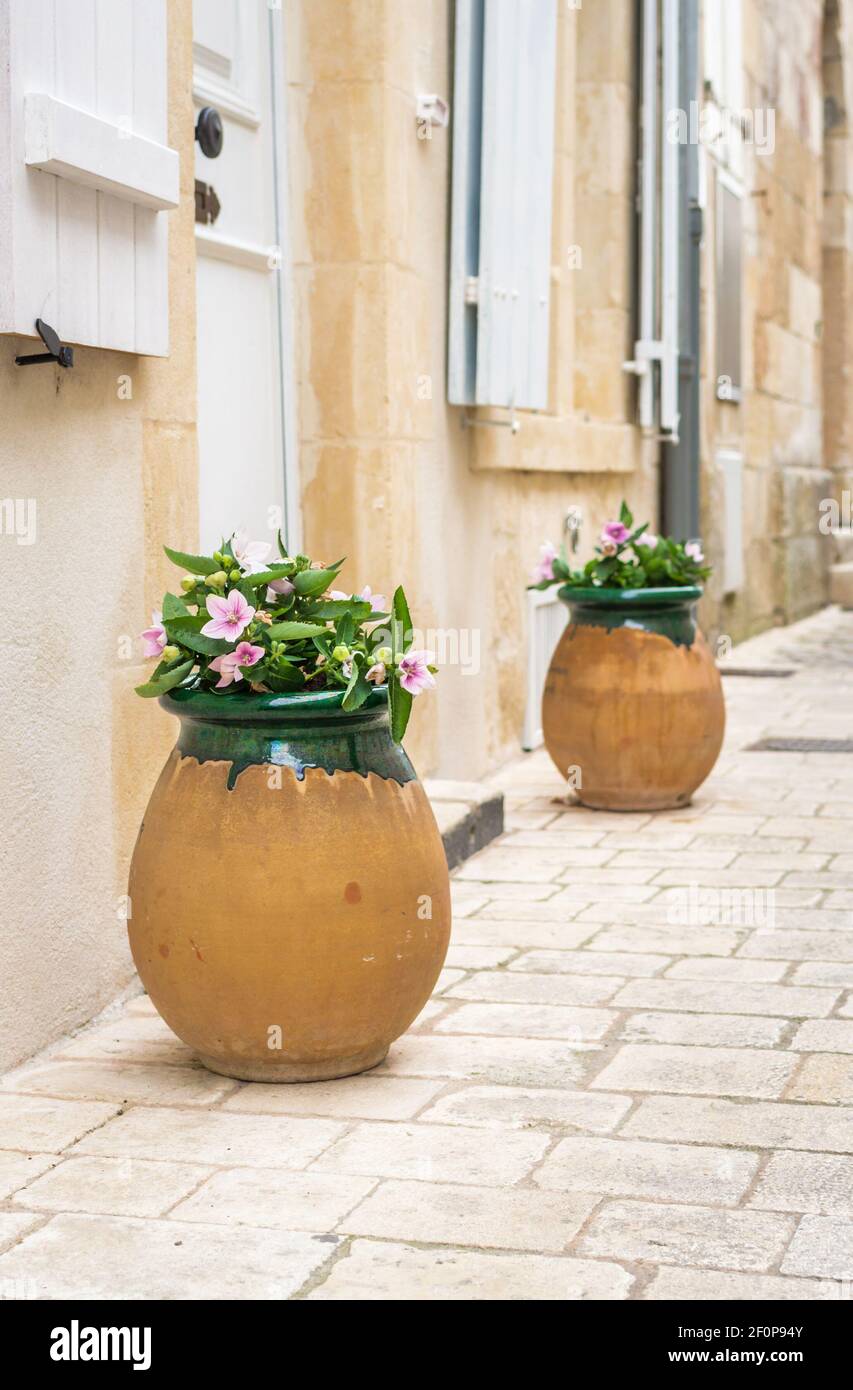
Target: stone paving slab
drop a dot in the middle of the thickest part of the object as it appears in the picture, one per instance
(635, 1080)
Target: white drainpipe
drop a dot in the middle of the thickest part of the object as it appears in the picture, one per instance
(658, 285)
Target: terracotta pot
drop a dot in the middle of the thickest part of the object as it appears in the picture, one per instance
(290, 903)
(633, 703)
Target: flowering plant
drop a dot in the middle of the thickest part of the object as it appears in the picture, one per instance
(626, 557)
(245, 623)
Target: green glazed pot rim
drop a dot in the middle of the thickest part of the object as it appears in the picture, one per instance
(240, 708)
(673, 596)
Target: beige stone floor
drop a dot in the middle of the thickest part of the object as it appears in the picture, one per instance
(615, 1093)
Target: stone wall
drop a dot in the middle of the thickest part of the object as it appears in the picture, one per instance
(794, 423)
(393, 476)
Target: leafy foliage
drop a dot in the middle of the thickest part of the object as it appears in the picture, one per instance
(627, 557)
(293, 635)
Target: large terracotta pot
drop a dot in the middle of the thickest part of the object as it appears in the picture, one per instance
(289, 895)
(633, 706)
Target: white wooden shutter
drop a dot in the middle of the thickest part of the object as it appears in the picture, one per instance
(503, 169)
(86, 175)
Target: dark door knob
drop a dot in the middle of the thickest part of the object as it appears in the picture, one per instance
(209, 132)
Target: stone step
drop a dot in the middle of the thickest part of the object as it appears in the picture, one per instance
(469, 816)
(841, 584)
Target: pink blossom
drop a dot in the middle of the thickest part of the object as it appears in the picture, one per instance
(647, 538)
(154, 638)
(278, 586)
(228, 616)
(378, 602)
(694, 550)
(615, 531)
(228, 664)
(545, 568)
(414, 673)
(376, 673)
(250, 555)
(608, 548)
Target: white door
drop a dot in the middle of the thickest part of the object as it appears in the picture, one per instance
(245, 417)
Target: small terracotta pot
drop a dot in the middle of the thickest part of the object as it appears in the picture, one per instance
(633, 710)
(290, 902)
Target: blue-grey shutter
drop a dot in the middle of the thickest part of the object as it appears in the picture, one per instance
(503, 167)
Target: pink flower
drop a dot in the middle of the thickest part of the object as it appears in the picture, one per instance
(227, 665)
(414, 673)
(694, 550)
(250, 555)
(228, 616)
(377, 673)
(608, 548)
(648, 539)
(545, 568)
(378, 602)
(615, 531)
(278, 586)
(154, 638)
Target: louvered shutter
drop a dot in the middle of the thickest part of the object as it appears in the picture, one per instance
(86, 175)
(503, 166)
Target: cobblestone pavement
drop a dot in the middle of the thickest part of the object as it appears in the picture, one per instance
(635, 1079)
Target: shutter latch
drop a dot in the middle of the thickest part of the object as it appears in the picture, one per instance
(472, 289)
(207, 205)
(63, 356)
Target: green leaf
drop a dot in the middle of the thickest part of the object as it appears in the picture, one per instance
(193, 564)
(268, 575)
(294, 632)
(256, 674)
(284, 676)
(185, 635)
(174, 607)
(401, 707)
(345, 630)
(625, 515)
(359, 687)
(166, 681)
(313, 581)
(358, 608)
(247, 591)
(401, 627)
(602, 569)
(282, 548)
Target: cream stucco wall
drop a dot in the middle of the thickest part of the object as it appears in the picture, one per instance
(111, 478)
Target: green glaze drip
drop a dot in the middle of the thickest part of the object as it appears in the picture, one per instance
(668, 612)
(295, 731)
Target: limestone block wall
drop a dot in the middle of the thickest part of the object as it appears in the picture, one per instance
(104, 458)
(794, 422)
(392, 476)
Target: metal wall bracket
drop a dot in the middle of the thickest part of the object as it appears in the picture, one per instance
(469, 422)
(63, 356)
